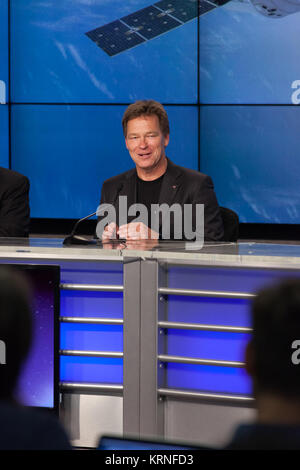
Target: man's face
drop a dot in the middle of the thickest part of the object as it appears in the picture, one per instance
(146, 143)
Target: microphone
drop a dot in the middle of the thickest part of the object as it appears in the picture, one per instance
(73, 239)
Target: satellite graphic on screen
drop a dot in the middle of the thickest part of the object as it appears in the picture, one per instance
(143, 25)
(161, 17)
(277, 8)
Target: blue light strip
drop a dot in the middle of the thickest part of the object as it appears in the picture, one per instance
(207, 344)
(208, 378)
(91, 304)
(91, 337)
(91, 370)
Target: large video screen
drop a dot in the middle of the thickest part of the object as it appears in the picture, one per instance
(104, 51)
(68, 151)
(39, 379)
(250, 57)
(76, 64)
(252, 154)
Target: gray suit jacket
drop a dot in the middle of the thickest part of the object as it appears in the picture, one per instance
(180, 185)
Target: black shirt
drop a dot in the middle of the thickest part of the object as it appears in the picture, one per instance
(148, 193)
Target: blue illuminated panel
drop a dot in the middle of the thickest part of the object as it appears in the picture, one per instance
(91, 370)
(82, 303)
(211, 311)
(91, 337)
(207, 344)
(208, 378)
(105, 273)
(87, 149)
(88, 337)
(91, 304)
(257, 144)
(55, 61)
(247, 280)
(4, 135)
(211, 345)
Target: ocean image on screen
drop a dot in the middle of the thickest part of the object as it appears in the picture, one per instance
(247, 57)
(76, 70)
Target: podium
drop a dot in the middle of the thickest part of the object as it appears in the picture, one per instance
(152, 338)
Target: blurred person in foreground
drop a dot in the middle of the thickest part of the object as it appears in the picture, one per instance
(272, 359)
(21, 428)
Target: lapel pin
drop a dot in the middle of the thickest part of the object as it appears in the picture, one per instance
(174, 187)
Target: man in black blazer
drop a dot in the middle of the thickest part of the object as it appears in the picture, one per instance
(156, 180)
(14, 204)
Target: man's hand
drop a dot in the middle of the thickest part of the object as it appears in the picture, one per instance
(109, 232)
(137, 231)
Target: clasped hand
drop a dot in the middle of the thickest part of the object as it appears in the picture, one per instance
(131, 231)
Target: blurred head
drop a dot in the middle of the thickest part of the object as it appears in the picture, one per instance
(15, 327)
(276, 325)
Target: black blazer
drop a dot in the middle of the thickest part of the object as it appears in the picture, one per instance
(180, 185)
(14, 204)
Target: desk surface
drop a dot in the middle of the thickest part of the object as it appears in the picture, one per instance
(229, 254)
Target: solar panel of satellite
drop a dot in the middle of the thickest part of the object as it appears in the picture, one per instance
(181, 10)
(150, 22)
(147, 23)
(204, 7)
(115, 37)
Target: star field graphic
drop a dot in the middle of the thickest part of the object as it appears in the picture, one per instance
(36, 384)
